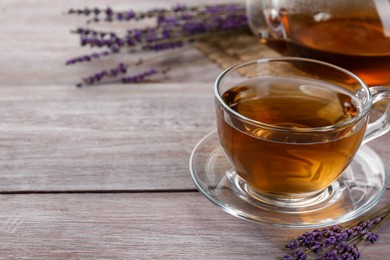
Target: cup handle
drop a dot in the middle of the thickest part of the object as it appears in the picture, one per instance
(381, 125)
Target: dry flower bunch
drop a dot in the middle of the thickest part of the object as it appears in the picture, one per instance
(335, 242)
(173, 28)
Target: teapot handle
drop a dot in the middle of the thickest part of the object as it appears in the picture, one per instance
(265, 21)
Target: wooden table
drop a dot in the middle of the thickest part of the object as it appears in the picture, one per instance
(102, 172)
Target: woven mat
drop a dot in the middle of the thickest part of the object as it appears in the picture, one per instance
(234, 49)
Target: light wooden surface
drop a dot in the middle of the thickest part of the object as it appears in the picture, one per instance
(102, 172)
(182, 225)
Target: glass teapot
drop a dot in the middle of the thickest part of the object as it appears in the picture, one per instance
(353, 34)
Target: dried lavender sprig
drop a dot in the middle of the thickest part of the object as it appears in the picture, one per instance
(205, 12)
(155, 34)
(98, 38)
(115, 48)
(336, 240)
(107, 11)
(112, 41)
(375, 223)
(140, 77)
(188, 27)
(179, 42)
(157, 46)
(96, 78)
(108, 14)
(137, 78)
(89, 57)
(207, 24)
(175, 29)
(169, 28)
(91, 32)
(120, 69)
(166, 45)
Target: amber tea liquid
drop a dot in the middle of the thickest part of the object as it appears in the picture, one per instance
(358, 42)
(283, 163)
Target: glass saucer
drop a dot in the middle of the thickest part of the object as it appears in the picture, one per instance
(358, 189)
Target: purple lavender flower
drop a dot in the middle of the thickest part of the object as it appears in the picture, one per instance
(88, 31)
(179, 8)
(327, 242)
(164, 46)
(89, 57)
(342, 236)
(293, 244)
(347, 256)
(299, 255)
(342, 247)
(357, 229)
(121, 68)
(306, 239)
(316, 247)
(350, 233)
(329, 255)
(109, 40)
(335, 242)
(346, 251)
(335, 228)
(377, 220)
(140, 77)
(371, 237)
(109, 15)
(355, 252)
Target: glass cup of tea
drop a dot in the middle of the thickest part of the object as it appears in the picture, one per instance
(354, 35)
(291, 126)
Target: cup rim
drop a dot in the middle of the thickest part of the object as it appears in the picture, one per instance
(353, 120)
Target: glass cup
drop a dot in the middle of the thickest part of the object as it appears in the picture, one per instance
(291, 126)
(354, 35)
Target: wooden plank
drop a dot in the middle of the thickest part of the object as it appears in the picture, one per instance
(121, 226)
(108, 138)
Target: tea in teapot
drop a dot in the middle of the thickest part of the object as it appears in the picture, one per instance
(352, 34)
